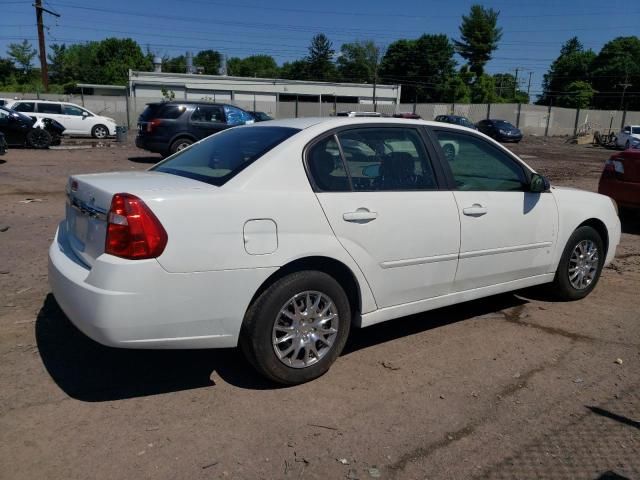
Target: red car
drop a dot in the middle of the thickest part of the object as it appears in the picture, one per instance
(620, 179)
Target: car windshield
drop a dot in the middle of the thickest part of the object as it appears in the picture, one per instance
(218, 158)
(635, 129)
(503, 124)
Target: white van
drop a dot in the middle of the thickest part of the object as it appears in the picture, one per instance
(77, 120)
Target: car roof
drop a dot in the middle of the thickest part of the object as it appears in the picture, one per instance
(192, 102)
(335, 122)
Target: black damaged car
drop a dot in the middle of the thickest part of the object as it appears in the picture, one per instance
(500, 130)
(23, 131)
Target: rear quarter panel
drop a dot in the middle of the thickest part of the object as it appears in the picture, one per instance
(576, 207)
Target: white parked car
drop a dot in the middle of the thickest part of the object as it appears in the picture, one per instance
(281, 236)
(628, 136)
(77, 120)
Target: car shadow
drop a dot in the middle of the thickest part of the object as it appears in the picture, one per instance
(2, 161)
(90, 372)
(146, 159)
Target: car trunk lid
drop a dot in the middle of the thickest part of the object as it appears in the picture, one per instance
(89, 199)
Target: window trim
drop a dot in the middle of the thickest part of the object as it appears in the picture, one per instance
(433, 157)
(39, 104)
(431, 130)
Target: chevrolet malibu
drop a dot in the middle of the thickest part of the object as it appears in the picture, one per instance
(281, 236)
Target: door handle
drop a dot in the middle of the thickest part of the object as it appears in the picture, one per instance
(475, 210)
(361, 215)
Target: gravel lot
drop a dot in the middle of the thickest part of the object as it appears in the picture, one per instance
(508, 387)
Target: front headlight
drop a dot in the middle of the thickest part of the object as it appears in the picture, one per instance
(503, 132)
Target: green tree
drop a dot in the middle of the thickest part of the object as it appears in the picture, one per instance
(22, 54)
(358, 61)
(617, 63)
(573, 63)
(506, 89)
(320, 59)
(56, 60)
(7, 70)
(174, 64)
(424, 67)
(479, 37)
(296, 70)
(578, 94)
(116, 56)
(262, 66)
(209, 60)
(483, 90)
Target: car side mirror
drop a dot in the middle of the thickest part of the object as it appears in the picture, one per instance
(539, 183)
(85, 114)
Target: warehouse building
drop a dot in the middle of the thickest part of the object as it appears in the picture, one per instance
(257, 93)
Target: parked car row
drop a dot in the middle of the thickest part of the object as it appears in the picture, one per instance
(21, 130)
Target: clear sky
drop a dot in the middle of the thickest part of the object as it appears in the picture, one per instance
(533, 30)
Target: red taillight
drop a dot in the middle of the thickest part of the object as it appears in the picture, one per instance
(153, 124)
(133, 231)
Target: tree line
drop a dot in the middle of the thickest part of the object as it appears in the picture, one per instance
(426, 67)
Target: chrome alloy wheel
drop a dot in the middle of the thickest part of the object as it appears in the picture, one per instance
(182, 146)
(101, 132)
(583, 264)
(305, 329)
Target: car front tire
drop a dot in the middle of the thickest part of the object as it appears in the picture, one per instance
(580, 265)
(297, 327)
(180, 144)
(100, 132)
(39, 138)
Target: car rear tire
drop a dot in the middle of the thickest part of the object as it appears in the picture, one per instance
(580, 265)
(38, 138)
(180, 144)
(100, 132)
(297, 327)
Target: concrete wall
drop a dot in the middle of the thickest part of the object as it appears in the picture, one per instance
(532, 119)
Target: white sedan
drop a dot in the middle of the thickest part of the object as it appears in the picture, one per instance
(282, 235)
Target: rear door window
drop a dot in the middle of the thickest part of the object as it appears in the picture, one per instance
(171, 112)
(220, 157)
(386, 158)
(72, 110)
(236, 116)
(208, 114)
(50, 108)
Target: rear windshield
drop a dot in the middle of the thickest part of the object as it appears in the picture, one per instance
(221, 156)
(151, 111)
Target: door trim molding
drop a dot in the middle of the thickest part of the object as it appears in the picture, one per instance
(496, 251)
(419, 261)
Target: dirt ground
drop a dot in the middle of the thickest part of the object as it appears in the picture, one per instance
(512, 386)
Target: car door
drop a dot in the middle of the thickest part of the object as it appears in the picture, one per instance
(54, 111)
(77, 122)
(207, 120)
(506, 232)
(380, 190)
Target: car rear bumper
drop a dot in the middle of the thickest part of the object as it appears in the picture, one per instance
(151, 145)
(626, 194)
(138, 304)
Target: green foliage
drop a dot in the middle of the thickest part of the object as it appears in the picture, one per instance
(507, 91)
(573, 63)
(483, 90)
(174, 64)
(358, 61)
(209, 60)
(479, 37)
(22, 54)
(296, 70)
(617, 63)
(425, 67)
(320, 64)
(578, 94)
(262, 66)
(167, 95)
(7, 70)
(116, 56)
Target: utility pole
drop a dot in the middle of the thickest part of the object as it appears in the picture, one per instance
(529, 86)
(515, 85)
(44, 70)
(624, 86)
